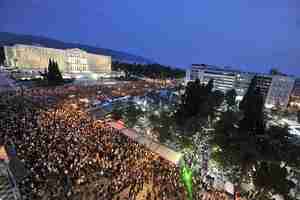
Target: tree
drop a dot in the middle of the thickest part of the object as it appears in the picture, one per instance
(2, 56)
(131, 114)
(243, 104)
(230, 98)
(298, 116)
(161, 124)
(247, 151)
(54, 76)
(274, 71)
(199, 103)
(149, 70)
(270, 177)
(116, 113)
(252, 106)
(195, 100)
(50, 73)
(216, 98)
(210, 85)
(58, 75)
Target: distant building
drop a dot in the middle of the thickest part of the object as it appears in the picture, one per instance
(263, 82)
(296, 89)
(37, 58)
(276, 89)
(279, 91)
(242, 83)
(295, 95)
(223, 79)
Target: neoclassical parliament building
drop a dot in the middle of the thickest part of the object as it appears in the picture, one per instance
(69, 60)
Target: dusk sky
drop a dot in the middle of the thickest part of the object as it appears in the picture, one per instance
(252, 35)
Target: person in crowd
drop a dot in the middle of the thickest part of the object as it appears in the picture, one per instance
(68, 155)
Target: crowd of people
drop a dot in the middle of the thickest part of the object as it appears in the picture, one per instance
(70, 156)
(214, 195)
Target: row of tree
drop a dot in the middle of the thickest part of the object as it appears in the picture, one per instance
(149, 70)
(246, 147)
(53, 75)
(202, 101)
(252, 151)
(159, 123)
(2, 56)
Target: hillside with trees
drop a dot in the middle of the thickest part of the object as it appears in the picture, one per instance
(12, 38)
(156, 71)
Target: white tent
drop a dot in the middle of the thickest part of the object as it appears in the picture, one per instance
(162, 150)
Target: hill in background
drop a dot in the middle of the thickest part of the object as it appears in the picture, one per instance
(12, 38)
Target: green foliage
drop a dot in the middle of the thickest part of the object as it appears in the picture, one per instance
(238, 153)
(272, 177)
(162, 125)
(53, 74)
(215, 99)
(252, 106)
(2, 55)
(131, 114)
(116, 113)
(246, 148)
(274, 71)
(198, 100)
(150, 70)
(230, 97)
(186, 142)
(199, 104)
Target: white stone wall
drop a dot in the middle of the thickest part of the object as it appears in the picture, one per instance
(99, 63)
(70, 60)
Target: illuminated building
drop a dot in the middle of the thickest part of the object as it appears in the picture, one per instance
(279, 91)
(242, 83)
(263, 82)
(295, 95)
(276, 89)
(36, 58)
(224, 79)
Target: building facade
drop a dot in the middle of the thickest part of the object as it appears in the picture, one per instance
(295, 95)
(263, 82)
(69, 60)
(242, 84)
(280, 91)
(224, 80)
(276, 89)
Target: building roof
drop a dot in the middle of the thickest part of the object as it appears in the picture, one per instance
(216, 68)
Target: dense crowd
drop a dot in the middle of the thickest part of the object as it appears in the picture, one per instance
(70, 156)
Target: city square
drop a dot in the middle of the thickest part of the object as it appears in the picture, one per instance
(149, 100)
